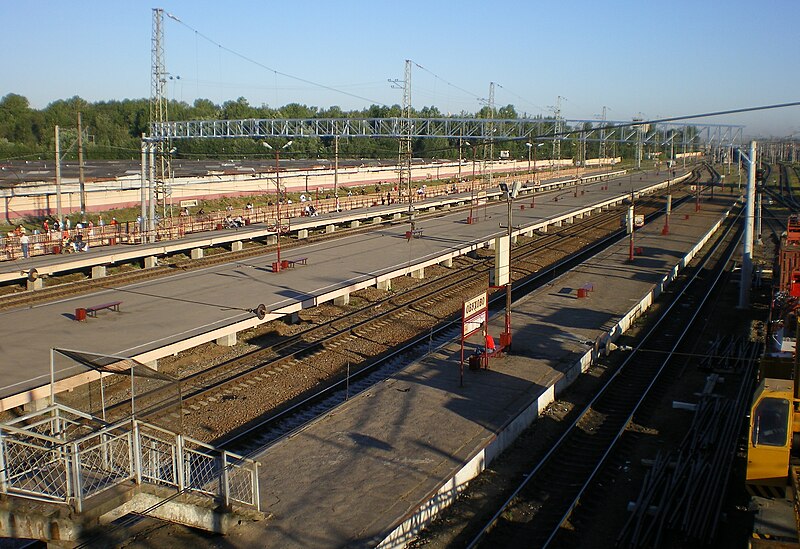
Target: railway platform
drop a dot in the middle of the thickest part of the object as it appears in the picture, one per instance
(112, 244)
(168, 315)
(377, 468)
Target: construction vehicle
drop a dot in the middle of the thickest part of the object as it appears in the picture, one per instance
(773, 466)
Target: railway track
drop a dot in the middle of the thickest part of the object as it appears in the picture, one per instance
(390, 322)
(322, 355)
(331, 355)
(541, 506)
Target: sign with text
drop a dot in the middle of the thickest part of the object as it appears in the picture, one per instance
(474, 314)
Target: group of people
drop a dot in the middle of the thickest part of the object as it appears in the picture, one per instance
(74, 244)
(310, 210)
(233, 222)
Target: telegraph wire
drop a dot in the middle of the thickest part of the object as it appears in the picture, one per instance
(474, 96)
(521, 98)
(270, 69)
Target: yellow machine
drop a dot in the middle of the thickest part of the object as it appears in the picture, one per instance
(772, 422)
(772, 472)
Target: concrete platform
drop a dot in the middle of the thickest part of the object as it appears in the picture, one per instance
(53, 264)
(378, 467)
(166, 316)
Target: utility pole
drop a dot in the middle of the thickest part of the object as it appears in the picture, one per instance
(81, 178)
(336, 173)
(603, 136)
(491, 133)
(558, 129)
(158, 107)
(639, 130)
(460, 141)
(143, 194)
(151, 221)
(747, 251)
(58, 180)
(404, 153)
(631, 226)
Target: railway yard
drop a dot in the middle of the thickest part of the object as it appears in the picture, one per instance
(324, 288)
(362, 424)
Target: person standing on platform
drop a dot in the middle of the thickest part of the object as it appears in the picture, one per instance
(490, 346)
(24, 243)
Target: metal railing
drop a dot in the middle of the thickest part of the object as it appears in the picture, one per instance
(63, 455)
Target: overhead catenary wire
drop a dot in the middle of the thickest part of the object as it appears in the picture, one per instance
(276, 72)
(472, 95)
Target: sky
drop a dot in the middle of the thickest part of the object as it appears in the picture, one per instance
(640, 58)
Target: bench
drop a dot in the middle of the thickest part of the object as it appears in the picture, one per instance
(416, 233)
(297, 261)
(111, 305)
(497, 353)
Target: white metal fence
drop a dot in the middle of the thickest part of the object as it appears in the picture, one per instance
(63, 455)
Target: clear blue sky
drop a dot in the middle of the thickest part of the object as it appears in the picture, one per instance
(656, 59)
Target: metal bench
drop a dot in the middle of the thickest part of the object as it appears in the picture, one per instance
(496, 353)
(297, 261)
(111, 305)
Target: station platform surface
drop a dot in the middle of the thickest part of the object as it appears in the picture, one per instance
(351, 477)
(18, 268)
(169, 311)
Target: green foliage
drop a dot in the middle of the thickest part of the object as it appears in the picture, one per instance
(114, 129)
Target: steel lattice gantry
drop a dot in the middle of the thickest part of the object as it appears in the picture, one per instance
(455, 128)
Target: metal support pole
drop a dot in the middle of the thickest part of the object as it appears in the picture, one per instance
(278, 207)
(256, 489)
(226, 493)
(665, 230)
(508, 284)
(459, 160)
(530, 146)
(3, 469)
(58, 181)
(631, 227)
(758, 217)
(143, 197)
(336, 172)
(77, 485)
(81, 178)
(747, 252)
(137, 452)
(472, 186)
(151, 222)
(52, 377)
(180, 471)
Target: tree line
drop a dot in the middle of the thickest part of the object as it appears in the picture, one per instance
(113, 130)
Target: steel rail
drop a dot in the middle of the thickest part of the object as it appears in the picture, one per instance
(298, 345)
(533, 281)
(560, 444)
